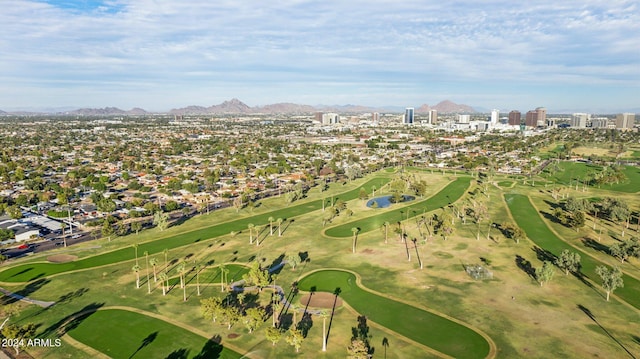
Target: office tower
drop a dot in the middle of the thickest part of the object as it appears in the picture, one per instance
(625, 120)
(536, 118)
(433, 116)
(375, 117)
(579, 120)
(408, 116)
(495, 116)
(515, 118)
(464, 118)
(542, 116)
(330, 118)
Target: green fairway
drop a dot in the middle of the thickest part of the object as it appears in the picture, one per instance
(451, 193)
(33, 271)
(123, 334)
(422, 326)
(571, 171)
(528, 218)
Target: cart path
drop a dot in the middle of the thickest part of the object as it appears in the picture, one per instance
(40, 303)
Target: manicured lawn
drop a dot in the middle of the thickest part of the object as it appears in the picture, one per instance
(417, 324)
(211, 275)
(29, 272)
(529, 220)
(124, 334)
(451, 193)
(570, 171)
(505, 184)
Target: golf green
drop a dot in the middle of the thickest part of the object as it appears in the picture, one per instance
(422, 326)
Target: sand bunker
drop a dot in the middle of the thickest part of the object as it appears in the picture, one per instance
(321, 300)
(61, 258)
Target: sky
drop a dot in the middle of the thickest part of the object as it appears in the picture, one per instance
(566, 55)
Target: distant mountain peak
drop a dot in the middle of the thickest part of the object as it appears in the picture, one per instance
(447, 106)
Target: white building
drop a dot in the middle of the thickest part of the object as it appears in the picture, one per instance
(495, 116)
(579, 120)
(330, 118)
(464, 118)
(625, 120)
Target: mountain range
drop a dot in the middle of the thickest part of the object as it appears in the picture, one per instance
(235, 106)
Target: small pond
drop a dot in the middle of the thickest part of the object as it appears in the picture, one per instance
(385, 201)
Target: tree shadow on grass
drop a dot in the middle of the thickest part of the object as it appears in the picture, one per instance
(590, 314)
(336, 293)
(276, 266)
(590, 243)
(25, 292)
(145, 342)
(181, 353)
(526, 266)
(288, 224)
(71, 321)
(212, 349)
(544, 255)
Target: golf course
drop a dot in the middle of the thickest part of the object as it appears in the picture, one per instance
(233, 283)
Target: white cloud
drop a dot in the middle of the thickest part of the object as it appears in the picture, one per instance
(289, 43)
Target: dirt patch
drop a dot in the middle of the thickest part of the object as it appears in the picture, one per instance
(233, 335)
(61, 258)
(367, 251)
(321, 300)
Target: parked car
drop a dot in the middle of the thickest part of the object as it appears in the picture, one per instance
(23, 246)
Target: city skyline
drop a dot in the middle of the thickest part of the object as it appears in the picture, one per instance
(566, 56)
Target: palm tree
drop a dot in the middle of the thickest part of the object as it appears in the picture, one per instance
(280, 220)
(271, 226)
(223, 272)
(386, 232)
(146, 257)
(415, 245)
(182, 269)
(166, 256)
(324, 314)
(135, 249)
(355, 231)
(250, 226)
(136, 269)
(163, 278)
(154, 263)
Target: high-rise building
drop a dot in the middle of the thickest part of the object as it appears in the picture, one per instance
(330, 118)
(433, 117)
(375, 117)
(464, 118)
(495, 116)
(531, 119)
(409, 116)
(625, 120)
(579, 120)
(515, 118)
(536, 118)
(600, 122)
